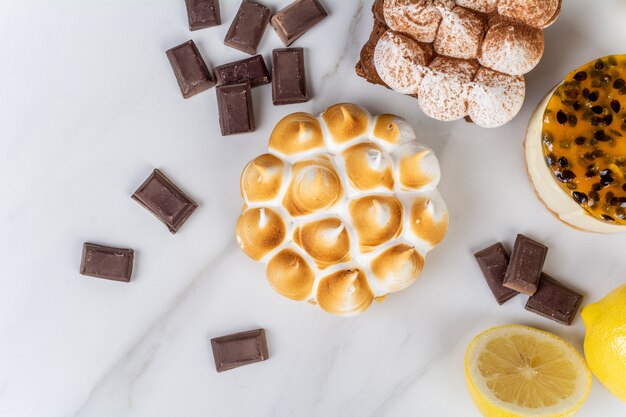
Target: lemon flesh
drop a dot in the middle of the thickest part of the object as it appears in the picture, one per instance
(518, 371)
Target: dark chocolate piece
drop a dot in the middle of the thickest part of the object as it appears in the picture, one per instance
(248, 26)
(252, 70)
(191, 72)
(106, 262)
(203, 13)
(239, 349)
(288, 76)
(525, 266)
(294, 20)
(493, 262)
(234, 105)
(555, 301)
(165, 200)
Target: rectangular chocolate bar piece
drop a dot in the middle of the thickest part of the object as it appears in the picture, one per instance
(525, 266)
(106, 262)
(234, 105)
(252, 70)
(493, 262)
(239, 349)
(203, 13)
(165, 200)
(555, 301)
(294, 20)
(248, 26)
(288, 76)
(191, 72)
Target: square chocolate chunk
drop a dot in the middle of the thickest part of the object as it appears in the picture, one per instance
(525, 265)
(191, 72)
(252, 70)
(165, 200)
(248, 27)
(239, 349)
(106, 262)
(234, 105)
(288, 76)
(294, 20)
(203, 13)
(493, 262)
(555, 301)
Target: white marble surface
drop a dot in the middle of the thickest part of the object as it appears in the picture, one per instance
(89, 105)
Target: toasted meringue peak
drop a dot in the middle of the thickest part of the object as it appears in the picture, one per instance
(376, 219)
(401, 62)
(296, 133)
(345, 292)
(417, 18)
(290, 275)
(418, 167)
(511, 48)
(495, 98)
(368, 167)
(484, 6)
(326, 241)
(397, 267)
(315, 186)
(429, 219)
(331, 222)
(259, 231)
(537, 13)
(346, 121)
(262, 178)
(460, 33)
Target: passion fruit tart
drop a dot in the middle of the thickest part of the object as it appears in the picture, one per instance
(575, 147)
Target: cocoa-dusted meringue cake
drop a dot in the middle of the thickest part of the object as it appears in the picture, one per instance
(463, 58)
(342, 209)
(575, 147)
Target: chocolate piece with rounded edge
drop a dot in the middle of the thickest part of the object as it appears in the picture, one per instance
(554, 301)
(234, 105)
(525, 265)
(248, 26)
(107, 262)
(165, 200)
(252, 70)
(239, 349)
(493, 262)
(191, 72)
(288, 76)
(298, 17)
(203, 13)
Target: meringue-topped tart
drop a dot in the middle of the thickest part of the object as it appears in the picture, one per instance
(342, 209)
(576, 147)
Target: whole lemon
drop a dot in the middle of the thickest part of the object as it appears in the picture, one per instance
(605, 340)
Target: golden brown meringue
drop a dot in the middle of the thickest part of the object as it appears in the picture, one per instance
(262, 178)
(296, 133)
(344, 293)
(376, 219)
(326, 241)
(426, 223)
(315, 186)
(259, 231)
(368, 167)
(290, 275)
(418, 167)
(346, 121)
(397, 267)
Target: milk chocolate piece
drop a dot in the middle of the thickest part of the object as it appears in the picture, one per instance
(493, 262)
(234, 104)
(106, 262)
(248, 26)
(294, 20)
(525, 266)
(252, 70)
(554, 301)
(203, 13)
(165, 200)
(239, 349)
(288, 76)
(191, 72)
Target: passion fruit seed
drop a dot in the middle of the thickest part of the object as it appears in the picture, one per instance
(561, 117)
(581, 76)
(581, 198)
(619, 83)
(615, 106)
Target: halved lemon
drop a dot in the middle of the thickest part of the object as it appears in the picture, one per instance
(519, 371)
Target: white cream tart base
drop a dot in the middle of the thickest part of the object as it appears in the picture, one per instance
(548, 190)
